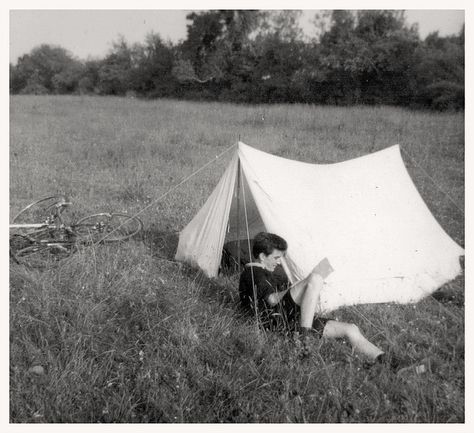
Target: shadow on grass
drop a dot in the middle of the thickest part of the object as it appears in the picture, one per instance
(162, 243)
(452, 293)
(223, 289)
(449, 294)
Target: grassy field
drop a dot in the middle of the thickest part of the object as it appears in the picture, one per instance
(125, 334)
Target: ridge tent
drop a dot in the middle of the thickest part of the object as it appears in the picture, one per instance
(365, 215)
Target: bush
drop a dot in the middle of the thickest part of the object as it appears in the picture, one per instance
(34, 89)
(445, 95)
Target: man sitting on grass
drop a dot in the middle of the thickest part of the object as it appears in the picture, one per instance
(297, 304)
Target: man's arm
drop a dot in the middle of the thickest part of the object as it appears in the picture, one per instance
(275, 298)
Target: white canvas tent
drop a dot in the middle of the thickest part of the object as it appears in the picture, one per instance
(365, 215)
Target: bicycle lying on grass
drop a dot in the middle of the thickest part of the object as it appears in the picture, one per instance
(39, 234)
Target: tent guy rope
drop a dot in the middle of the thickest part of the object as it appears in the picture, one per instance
(172, 189)
(432, 180)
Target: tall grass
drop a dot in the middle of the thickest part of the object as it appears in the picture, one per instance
(125, 334)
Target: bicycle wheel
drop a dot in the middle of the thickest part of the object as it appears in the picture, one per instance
(107, 227)
(18, 242)
(41, 255)
(40, 211)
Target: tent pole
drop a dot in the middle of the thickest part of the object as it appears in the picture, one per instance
(238, 214)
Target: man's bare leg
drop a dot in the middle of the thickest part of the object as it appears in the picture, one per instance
(306, 294)
(334, 329)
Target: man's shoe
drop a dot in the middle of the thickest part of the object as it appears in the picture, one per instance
(418, 368)
(403, 367)
(391, 361)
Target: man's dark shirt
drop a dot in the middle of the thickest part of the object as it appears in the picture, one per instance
(267, 283)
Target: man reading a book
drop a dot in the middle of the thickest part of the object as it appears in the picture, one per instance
(297, 304)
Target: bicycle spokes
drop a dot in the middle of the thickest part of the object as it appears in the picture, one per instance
(107, 227)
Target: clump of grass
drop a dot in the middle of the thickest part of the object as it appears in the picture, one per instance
(135, 189)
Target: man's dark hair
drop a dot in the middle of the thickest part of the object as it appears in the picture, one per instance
(267, 242)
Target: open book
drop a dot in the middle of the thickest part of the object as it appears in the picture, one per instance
(323, 268)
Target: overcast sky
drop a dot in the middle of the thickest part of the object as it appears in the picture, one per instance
(90, 32)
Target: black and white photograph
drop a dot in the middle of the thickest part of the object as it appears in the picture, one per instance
(235, 214)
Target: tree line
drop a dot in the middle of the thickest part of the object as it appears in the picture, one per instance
(250, 56)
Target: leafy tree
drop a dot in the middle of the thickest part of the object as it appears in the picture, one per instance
(184, 71)
(115, 72)
(34, 85)
(67, 81)
(386, 56)
(284, 25)
(201, 45)
(151, 73)
(237, 55)
(277, 62)
(40, 67)
(218, 51)
(439, 72)
(341, 29)
(88, 83)
(368, 57)
(272, 55)
(17, 81)
(329, 68)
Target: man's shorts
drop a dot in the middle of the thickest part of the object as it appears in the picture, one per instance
(290, 312)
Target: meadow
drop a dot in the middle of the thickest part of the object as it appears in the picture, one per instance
(126, 334)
